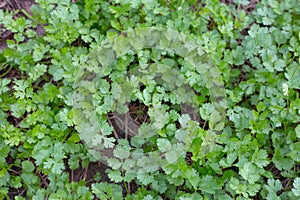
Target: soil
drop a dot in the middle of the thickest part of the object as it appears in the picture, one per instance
(12, 5)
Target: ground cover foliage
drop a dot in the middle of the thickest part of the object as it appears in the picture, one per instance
(256, 50)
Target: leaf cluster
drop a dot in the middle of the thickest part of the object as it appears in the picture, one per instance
(256, 154)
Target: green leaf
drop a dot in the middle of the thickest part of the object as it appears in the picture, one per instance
(273, 187)
(39, 52)
(183, 120)
(280, 161)
(115, 175)
(37, 71)
(296, 187)
(164, 145)
(3, 85)
(73, 162)
(209, 184)
(193, 177)
(55, 166)
(145, 178)
(122, 150)
(190, 196)
(148, 197)
(107, 191)
(16, 182)
(245, 189)
(243, 2)
(260, 158)
(74, 138)
(20, 87)
(297, 129)
(176, 152)
(27, 166)
(249, 172)
(114, 163)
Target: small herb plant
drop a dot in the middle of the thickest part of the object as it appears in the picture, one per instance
(45, 154)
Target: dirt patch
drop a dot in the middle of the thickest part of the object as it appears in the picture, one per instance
(12, 5)
(248, 8)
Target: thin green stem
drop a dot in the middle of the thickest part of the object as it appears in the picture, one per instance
(7, 71)
(3, 65)
(124, 182)
(25, 13)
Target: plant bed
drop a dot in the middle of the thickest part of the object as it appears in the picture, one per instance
(133, 99)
